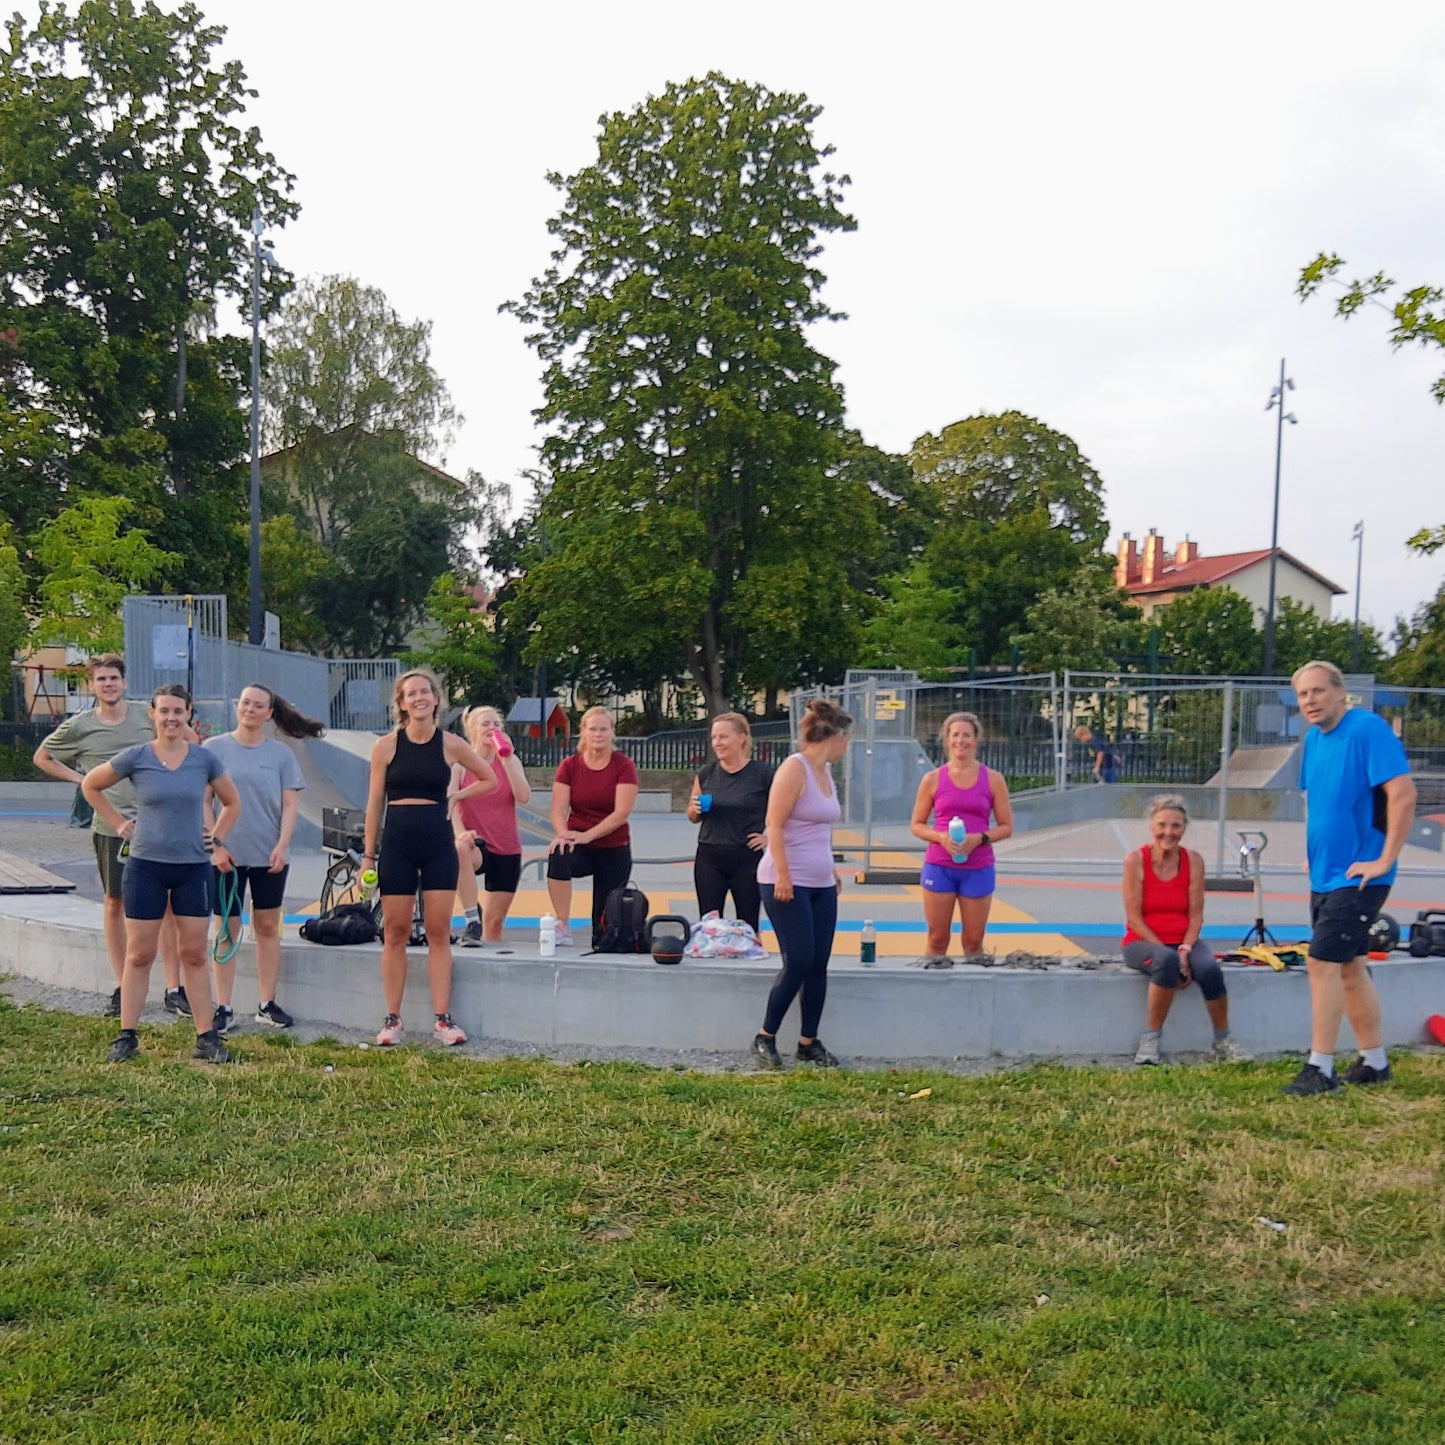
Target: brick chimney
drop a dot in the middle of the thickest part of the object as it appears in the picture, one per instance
(1126, 570)
(1153, 557)
(1186, 551)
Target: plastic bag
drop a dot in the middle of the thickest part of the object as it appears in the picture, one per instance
(716, 937)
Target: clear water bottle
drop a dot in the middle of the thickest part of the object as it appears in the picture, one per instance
(957, 832)
(868, 944)
(547, 942)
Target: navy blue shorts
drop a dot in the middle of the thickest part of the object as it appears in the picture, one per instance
(147, 886)
(267, 889)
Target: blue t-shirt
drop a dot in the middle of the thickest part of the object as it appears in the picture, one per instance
(1340, 771)
(169, 823)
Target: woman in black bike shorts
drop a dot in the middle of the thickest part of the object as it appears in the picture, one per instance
(411, 771)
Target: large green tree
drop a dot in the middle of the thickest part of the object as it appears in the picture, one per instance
(1087, 625)
(127, 187)
(1419, 659)
(1209, 632)
(91, 559)
(1000, 510)
(707, 516)
(354, 411)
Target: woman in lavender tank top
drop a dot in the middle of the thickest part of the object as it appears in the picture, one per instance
(953, 868)
(799, 883)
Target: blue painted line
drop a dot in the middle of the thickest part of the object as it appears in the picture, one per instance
(1285, 934)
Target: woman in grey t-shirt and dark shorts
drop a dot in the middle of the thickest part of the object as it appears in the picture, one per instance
(168, 862)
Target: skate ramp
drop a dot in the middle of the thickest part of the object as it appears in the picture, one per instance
(1274, 767)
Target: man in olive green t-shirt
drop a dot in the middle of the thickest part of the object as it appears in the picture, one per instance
(82, 742)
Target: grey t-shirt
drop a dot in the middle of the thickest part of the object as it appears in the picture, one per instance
(84, 742)
(261, 774)
(169, 825)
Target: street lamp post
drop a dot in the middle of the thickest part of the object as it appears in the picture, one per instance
(257, 632)
(1276, 401)
(1358, 537)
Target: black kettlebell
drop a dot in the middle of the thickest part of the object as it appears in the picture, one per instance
(667, 943)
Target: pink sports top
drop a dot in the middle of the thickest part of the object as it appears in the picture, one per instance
(493, 816)
(974, 805)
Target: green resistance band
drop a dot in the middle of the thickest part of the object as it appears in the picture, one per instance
(227, 942)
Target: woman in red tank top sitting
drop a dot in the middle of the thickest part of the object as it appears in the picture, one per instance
(961, 811)
(1164, 914)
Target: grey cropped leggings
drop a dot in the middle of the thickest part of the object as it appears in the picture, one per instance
(1160, 961)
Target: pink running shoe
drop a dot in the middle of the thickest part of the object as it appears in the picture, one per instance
(391, 1032)
(447, 1032)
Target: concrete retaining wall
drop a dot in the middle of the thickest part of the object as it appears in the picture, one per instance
(888, 1012)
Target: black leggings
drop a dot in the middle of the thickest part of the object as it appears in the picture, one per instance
(608, 868)
(418, 850)
(718, 869)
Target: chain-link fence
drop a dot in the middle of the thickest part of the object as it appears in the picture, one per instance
(1231, 745)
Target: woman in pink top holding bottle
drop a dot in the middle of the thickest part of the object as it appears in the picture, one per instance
(961, 810)
(799, 883)
(488, 843)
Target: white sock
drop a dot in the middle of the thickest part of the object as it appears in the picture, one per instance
(1376, 1058)
(1325, 1063)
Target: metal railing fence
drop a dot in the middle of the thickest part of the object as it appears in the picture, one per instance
(185, 640)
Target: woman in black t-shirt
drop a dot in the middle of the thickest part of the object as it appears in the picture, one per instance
(730, 845)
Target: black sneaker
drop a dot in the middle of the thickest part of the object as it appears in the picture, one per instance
(1311, 1080)
(176, 1001)
(765, 1051)
(223, 1018)
(1362, 1073)
(112, 1009)
(816, 1053)
(212, 1050)
(272, 1013)
(472, 935)
(127, 1046)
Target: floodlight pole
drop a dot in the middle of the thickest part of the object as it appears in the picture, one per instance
(1358, 536)
(257, 627)
(1276, 400)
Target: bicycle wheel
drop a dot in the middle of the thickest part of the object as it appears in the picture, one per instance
(342, 884)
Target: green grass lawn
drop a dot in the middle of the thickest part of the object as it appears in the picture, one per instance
(414, 1246)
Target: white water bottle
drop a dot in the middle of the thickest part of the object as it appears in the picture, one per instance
(548, 941)
(957, 832)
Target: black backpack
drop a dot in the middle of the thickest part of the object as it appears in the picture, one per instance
(624, 922)
(346, 923)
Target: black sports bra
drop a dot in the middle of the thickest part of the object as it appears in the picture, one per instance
(419, 770)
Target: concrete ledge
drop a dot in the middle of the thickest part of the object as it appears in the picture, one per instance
(888, 1012)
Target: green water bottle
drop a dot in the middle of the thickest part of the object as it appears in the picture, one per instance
(868, 944)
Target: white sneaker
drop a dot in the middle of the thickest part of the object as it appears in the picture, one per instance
(564, 937)
(1148, 1050)
(1226, 1051)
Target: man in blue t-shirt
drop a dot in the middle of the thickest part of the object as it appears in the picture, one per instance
(1361, 803)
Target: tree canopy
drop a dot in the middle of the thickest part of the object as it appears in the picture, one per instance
(354, 407)
(127, 187)
(703, 518)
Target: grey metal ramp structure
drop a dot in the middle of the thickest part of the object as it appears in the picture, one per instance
(1272, 767)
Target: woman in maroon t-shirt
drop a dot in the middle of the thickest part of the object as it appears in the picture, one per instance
(592, 797)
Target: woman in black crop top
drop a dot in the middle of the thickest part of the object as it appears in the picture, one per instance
(411, 772)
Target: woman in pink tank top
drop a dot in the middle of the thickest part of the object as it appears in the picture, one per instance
(960, 868)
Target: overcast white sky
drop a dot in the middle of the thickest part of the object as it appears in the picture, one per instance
(1095, 214)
